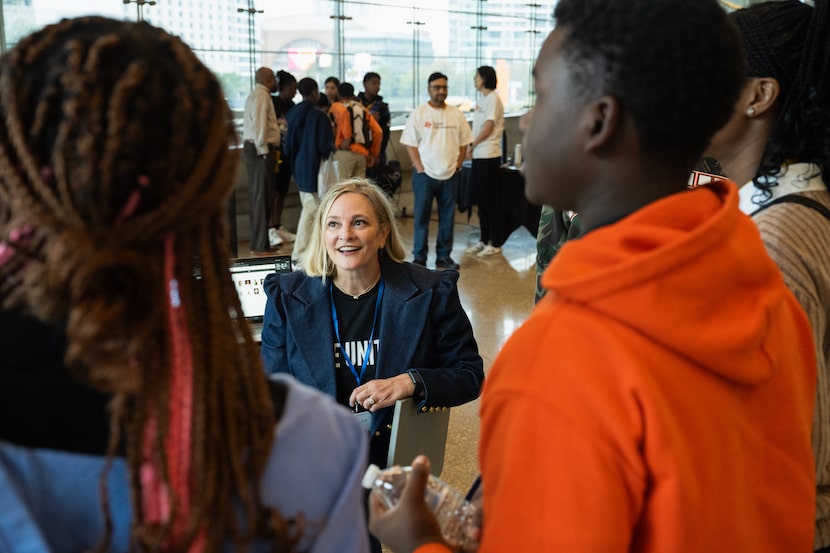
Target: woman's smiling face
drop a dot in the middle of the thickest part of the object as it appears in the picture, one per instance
(353, 234)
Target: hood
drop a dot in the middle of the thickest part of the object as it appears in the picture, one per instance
(298, 113)
(690, 272)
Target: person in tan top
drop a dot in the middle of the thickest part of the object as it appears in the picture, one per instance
(776, 147)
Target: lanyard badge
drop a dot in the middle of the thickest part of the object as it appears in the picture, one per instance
(365, 417)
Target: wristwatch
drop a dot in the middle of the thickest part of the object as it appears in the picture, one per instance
(418, 382)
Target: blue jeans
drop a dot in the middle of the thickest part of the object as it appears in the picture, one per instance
(426, 189)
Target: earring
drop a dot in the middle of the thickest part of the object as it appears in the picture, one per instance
(750, 111)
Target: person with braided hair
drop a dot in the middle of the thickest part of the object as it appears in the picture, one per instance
(777, 147)
(658, 398)
(135, 414)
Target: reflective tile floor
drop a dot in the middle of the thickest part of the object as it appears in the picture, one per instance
(497, 293)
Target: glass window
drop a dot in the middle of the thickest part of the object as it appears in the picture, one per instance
(402, 40)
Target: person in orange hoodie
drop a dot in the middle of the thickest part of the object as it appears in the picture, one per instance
(659, 398)
(353, 152)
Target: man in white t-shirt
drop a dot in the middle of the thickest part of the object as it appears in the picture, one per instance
(436, 137)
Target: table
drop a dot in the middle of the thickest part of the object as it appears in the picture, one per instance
(516, 209)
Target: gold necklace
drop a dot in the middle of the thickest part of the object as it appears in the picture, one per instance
(357, 296)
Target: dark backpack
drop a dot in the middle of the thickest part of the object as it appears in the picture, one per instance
(361, 131)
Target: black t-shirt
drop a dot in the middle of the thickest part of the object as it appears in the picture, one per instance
(355, 318)
(41, 404)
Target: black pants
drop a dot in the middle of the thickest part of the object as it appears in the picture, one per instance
(486, 180)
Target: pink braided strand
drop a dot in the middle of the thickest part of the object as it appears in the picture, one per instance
(178, 442)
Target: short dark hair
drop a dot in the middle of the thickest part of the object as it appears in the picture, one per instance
(345, 90)
(307, 86)
(332, 79)
(370, 75)
(488, 75)
(678, 94)
(323, 101)
(435, 76)
(790, 42)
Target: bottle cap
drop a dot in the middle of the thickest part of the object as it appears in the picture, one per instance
(370, 476)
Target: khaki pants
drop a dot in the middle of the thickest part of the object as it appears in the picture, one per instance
(350, 164)
(309, 203)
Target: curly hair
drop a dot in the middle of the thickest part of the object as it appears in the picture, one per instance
(790, 42)
(284, 79)
(674, 65)
(115, 170)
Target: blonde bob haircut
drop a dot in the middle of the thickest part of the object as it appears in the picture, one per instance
(316, 260)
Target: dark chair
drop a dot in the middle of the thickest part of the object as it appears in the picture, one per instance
(390, 178)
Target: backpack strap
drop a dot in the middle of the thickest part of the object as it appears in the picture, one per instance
(357, 110)
(796, 199)
(352, 116)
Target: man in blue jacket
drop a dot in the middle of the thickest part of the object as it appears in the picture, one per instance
(309, 140)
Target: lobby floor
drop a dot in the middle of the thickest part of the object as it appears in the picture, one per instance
(496, 292)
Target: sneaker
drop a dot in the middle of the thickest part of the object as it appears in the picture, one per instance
(477, 248)
(285, 235)
(420, 261)
(447, 263)
(488, 250)
(274, 239)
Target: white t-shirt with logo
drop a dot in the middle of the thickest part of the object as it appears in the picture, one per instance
(439, 134)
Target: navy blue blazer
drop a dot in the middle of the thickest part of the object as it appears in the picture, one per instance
(423, 328)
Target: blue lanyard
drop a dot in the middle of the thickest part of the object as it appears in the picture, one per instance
(343, 352)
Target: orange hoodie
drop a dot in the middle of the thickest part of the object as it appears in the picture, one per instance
(658, 399)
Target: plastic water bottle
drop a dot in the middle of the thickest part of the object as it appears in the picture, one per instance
(457, 517)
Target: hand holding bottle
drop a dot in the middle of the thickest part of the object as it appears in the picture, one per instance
(407, 504)
(410, 523)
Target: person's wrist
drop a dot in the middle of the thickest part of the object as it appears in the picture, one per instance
(417, 383)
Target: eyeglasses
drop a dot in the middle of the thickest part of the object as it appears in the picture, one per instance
(439, 87)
